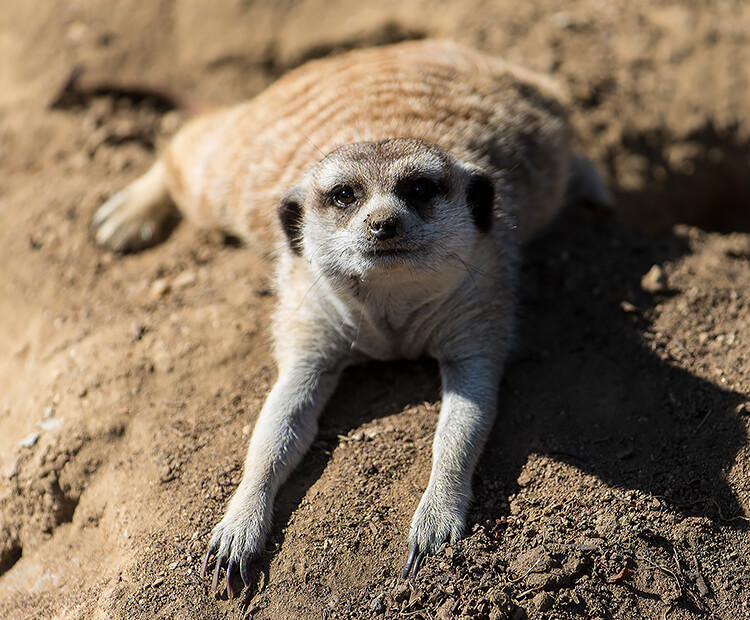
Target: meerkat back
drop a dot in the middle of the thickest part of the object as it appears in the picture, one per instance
(228, 169)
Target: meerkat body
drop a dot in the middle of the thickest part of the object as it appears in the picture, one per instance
(395, 187)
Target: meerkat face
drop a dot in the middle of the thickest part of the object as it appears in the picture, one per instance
(397, 208)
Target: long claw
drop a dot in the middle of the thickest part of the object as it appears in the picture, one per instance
(215, 582)
(206, 559)
(413, 553)
(417, 565)
(230, 590)
(245, 571)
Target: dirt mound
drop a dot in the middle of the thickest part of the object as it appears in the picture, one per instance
(615, 483)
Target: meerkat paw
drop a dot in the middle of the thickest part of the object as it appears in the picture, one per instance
(435, 522)
(136, 217)
(235, 541)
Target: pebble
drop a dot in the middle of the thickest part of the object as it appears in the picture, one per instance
(12, 469)
(445, 611)
(654, 281)
(136, 331)
(543, 601)
(50, 424)
(157, 582)
(185, 279)
(377, 604)
(29, 440)
(159, 287)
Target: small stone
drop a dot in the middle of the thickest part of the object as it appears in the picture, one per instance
(29, 440)
(173, 565)
(12, 469)
(50, 425)
(445, 611)
(377, 604)
(49, 412)
(185, 279)
(262, 581)
(157, 582)
(524, 478)
(543, 601)
(77, 32)
(629, 308)
(136, 331)
(159, 287)
(654, 281)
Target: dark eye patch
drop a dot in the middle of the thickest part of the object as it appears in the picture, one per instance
(418, 191)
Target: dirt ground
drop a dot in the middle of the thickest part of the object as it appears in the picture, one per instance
(615, 483)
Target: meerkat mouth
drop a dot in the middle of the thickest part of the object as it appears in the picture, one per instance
(387, 252)
(390, 256)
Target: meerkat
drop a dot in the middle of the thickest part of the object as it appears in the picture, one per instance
(395, 188)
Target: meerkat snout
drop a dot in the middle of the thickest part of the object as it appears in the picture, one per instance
(383, 226)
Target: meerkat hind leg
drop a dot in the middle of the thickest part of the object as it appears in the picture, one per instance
(138, 216)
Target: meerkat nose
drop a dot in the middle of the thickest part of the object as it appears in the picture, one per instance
(383, 228)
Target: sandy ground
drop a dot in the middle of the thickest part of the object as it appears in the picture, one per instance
(615, 483)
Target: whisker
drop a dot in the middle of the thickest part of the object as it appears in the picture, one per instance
(359, 321)
(306, 137)
(308, 291)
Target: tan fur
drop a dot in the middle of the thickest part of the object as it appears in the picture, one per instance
(235, 164)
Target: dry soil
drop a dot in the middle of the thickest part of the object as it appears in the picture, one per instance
(615, 483)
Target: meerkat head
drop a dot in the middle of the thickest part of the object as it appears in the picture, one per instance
(396, 207)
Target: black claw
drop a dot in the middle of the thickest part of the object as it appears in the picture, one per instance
(417, 564)
(245, 571)
(205, 561)
(413, 553)
(215, 582)
(230, 569)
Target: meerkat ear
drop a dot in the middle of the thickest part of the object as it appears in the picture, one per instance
(480, 197)
(290, 216)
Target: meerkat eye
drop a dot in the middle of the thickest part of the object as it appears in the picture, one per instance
(343, 196)
(420, 189)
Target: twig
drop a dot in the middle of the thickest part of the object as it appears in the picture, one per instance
(529, 591)
(665, 570)
(517, 579)
(699, 581)
(703, 421)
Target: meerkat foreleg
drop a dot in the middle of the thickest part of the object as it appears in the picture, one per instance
(286, 427)
(468, 410)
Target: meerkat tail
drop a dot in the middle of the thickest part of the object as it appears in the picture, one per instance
(138, 216)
